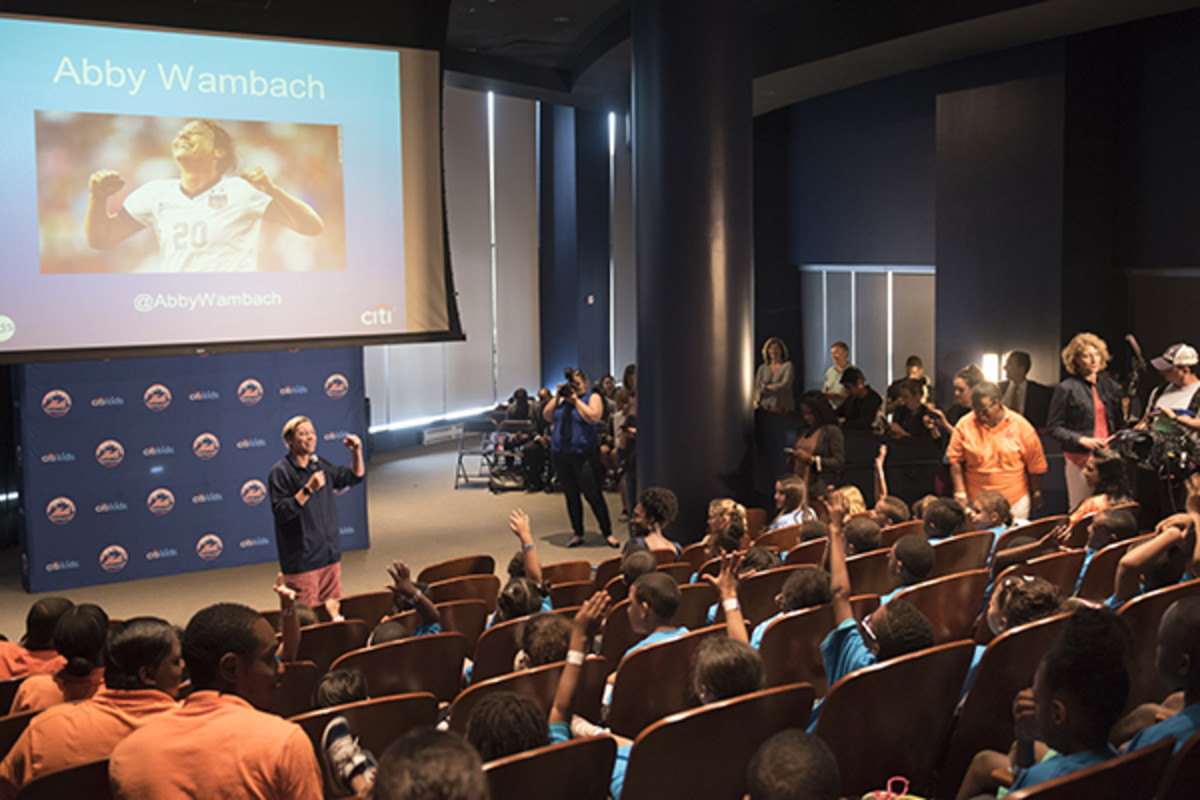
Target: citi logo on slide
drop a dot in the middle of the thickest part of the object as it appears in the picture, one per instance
(160, 501)
(60, 510)
(379, 315)
(110, 453)
(250, 443)
(336, 386)
(346, 530)
(110, 506)
(62, 564)
(206, 446)
(113, 558)
(105, 401)
(206, 497)
(156, 397)
(158, 450)
(209, 546)
(250, 392)
(335, 436)
(253, 492)
(204, 394)
(61, 457)
(159, 553)
(257, 541)
(291, 389)
(56, 403)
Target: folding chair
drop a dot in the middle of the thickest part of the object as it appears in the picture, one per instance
(962, 552)
(324, 642)
(83, 782)
(474, 442)
(652, 682)
(295, 691)
(710, 747)
(579, 769)
(1131, 776)
(466, 587)
(421, 664)
(538, 684)
(899, 712)
(951, 603)
(457, 567)
(376, 723)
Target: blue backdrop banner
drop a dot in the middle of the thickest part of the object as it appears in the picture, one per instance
(145, 467)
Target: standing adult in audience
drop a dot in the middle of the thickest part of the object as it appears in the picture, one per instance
(833, 389)
(862, 410)
(1085, 410)
(35, 654)
(996, 450)
(1179, 400)
(575, 444)
(908, 415)
(143, 665)
(773, 380)
(306, 524)
(914, 369)
(820, 448)
(1028, 398)
(221, 742)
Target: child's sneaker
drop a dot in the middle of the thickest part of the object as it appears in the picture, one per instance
(343, 755)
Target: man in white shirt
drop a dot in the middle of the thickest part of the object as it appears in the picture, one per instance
(1028, 398)
(1178, 400)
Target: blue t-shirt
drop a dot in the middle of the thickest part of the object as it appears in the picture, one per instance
(1182, 726)
(656, 637)
(844, 651)
(1059, 765)
(560, 732)
(618, 771)
(757, 636)
(975, 659)
(883, 601)
(1088, 555)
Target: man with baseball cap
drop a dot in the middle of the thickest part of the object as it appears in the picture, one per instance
(1179, 400)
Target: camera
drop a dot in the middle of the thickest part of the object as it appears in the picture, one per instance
(567, 390)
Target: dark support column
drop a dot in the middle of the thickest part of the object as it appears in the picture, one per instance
(693, 200)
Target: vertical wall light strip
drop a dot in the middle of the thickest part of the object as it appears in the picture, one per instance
(824, 312)
(853, 317)
(491, 159)
(890, 354)
(612, 266)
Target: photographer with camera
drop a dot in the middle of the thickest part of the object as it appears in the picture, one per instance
(575, 414)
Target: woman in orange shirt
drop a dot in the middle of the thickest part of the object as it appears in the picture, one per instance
(79, 637)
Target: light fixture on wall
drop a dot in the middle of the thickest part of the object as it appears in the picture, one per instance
(991, 366)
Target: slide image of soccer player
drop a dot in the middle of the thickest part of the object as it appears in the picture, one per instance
(207, 220)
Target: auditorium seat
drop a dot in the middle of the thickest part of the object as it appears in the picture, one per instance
(711, 567)
(655, 681)
(272, 615)
(694, 602)
(694, 554)
(681, 571)
(579, 769)
(421, 664)
(8, 690)
(704, 752)
(11, 727)
(324, 642)
(811, 552)
(869, 572)
(791, 645)
(82, 782)
(893, 718)
(1143, 614)
(467, 617)
(962, 552)
(1179, 779)
(1132, 776)
(538, 684)
(618, 634)
(376, 723)
(984, 720)
(578, 569)
(295, 690)
(499, 645)
(756, 522)
(1097, 584)
(606, 570)
(1078, 535)
(951, 603)
(891, 534)
(616, 588)
(457, 567)
(757, 592)
(1061, 569)
(370, 607)
(1035, 529)
(571, 593)
(782, 539)
(466, 587)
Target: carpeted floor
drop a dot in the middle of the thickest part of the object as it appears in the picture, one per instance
(416, 515)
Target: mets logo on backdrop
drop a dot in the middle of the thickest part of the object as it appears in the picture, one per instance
(160, 501)
(336, 386)
(110, 453)
(250, 392)
(156, 397)
(113, 558)
(56, 403)
(253, 492)
(60, 510)
(209, 546)
(206, 446)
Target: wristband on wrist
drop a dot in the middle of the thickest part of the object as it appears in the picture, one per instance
(575, 657)
(416, 597)
(288, 611)
(730, 604)
(525, 548)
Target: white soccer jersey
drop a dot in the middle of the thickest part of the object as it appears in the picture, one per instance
(215, 231)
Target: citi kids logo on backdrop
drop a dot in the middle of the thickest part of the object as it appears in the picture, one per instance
(336, 386)
(56, 403)
(335, 436)
(62, 564)
(209, 546)
(293, 388)
(206, 497)
(159, 553)
(113, 558)
(250, 442)
(156, 397)
(250, 392)
(158, 450)
(110, 453)
(61, 457)
(107, 401)
(160, 501)
(206, 446)
(110, 506)
(60, 510)
(254, 541)
(203, 394)
(253, 492)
